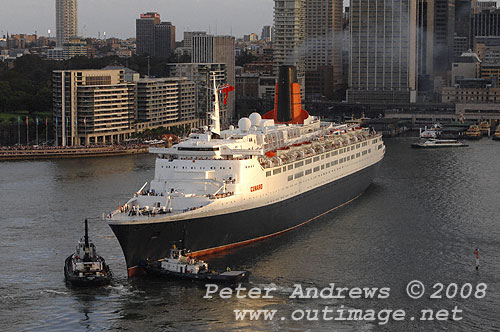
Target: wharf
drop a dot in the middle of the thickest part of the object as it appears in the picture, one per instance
(30, 153)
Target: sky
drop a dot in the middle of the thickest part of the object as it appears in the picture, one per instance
(117, 17)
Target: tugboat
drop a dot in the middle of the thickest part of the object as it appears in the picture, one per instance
(181, 266)
(85, 267)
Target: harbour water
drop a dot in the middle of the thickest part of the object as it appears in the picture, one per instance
(421, 219)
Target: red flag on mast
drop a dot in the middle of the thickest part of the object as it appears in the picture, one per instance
(225, 90)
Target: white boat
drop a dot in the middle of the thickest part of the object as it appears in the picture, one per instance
(439, 143)
(220, 189)
(179, 265)
(432, 132)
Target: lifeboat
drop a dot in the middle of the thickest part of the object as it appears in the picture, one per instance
(271, 154)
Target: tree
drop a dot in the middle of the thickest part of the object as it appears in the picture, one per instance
(245, 57)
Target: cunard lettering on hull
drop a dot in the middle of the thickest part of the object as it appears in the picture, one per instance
(222, 188)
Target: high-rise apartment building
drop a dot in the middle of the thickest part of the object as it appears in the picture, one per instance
(217, 49)
(382, 66)
(163, 101)
(92, 106)
(200, 73)
(153, 37)
(66, 21)
(289, 35)
(323, 45)
(75, 47)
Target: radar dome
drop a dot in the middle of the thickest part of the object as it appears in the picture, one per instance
(255, 118)
(244, 124)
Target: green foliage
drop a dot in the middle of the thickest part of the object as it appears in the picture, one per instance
(245, 57)
(27, 86)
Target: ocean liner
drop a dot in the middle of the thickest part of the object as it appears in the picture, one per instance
(271, 174)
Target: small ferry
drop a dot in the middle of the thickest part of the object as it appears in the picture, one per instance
(432, 132)
(438, 143)
(474, 132)
(484, 126)
(496, 135)
(85, 267)
(181, 266)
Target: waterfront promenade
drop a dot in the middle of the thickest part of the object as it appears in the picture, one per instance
(49, 152)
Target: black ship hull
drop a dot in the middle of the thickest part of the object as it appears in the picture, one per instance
(202, 236)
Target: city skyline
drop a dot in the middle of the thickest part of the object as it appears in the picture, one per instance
(214, 16)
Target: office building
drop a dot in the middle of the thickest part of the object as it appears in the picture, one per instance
(187, 43)
(444, 32)
(153, 37)
(382, 66)
(92, 106)
(323, 42)
(145, 33)
(267, 33)
(463, 12)
(425, 44)
(164, 39)
(66, 21)
(484, 5)
(485, 23)
(465, 66)
(472, 91)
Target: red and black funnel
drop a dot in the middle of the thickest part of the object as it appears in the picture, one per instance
(287, 100)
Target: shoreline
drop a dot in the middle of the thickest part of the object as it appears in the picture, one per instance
(83, 152)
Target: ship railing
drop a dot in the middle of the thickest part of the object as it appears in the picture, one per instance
(328, 146)
(221, 195)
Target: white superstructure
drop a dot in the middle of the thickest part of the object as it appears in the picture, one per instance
(256, 164)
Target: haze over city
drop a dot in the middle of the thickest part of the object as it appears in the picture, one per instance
(117, 17)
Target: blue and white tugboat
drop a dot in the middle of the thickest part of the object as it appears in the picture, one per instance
(85, 267)
(181, 266)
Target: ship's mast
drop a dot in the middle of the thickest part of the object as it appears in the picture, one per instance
(215, 115)
(86, 257)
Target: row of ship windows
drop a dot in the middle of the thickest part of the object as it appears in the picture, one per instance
(328, 155)
(316, 169)
(193, 167)
(300, 163)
